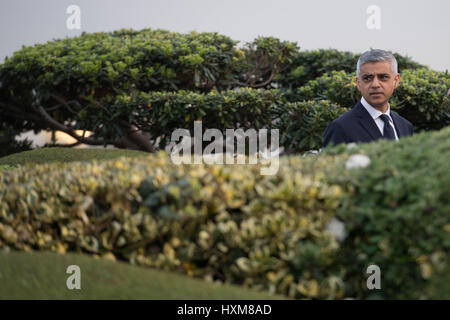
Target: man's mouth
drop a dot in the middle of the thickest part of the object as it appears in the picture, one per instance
(376, 93)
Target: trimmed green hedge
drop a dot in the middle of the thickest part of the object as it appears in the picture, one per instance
(68, 76)
(164, 112)
(225, 223)
(421, 96)
(309, 65)
(338, 87)
(108, 61)
(301, 124)
(396, 212)
(232, 224)
(51, 85)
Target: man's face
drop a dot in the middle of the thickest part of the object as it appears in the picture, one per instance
(376, 83)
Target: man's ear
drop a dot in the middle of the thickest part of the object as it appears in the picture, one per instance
(396, 80)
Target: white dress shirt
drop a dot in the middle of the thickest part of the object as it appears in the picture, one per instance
(375, 114)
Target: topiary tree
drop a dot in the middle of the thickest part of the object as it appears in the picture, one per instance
(70, 84)
(309, 65)
(51, 86)
(263, 60)
(302, 124)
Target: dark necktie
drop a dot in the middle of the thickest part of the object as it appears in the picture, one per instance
(388, 131)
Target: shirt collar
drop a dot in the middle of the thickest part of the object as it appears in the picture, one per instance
(374, 113)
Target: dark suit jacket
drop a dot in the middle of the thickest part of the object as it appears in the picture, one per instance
(357, 125)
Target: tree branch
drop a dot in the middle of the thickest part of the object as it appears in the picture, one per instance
(70, 131)
(66, 103)
(18, 113)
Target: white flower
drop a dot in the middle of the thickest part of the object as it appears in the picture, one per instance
(357, 161)
(337, 228)
(307, 153)
(351, 145)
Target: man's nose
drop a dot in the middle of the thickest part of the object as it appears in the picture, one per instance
(375, 82)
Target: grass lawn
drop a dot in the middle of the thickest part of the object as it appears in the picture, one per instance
(42, 275)
(44, 155)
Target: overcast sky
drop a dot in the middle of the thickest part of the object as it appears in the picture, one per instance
(418, 28)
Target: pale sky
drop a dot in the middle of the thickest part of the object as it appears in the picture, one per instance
(417, 28)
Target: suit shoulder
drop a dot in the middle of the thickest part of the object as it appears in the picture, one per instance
(348, 116)
(402, 119)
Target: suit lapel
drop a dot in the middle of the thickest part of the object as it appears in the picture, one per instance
(367, 121)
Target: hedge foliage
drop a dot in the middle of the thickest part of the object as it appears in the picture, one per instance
(163, 112)
(396, 212)
(309, 65)
(146, 59)
(224, 223)
(70, 84)
(98, 66)
(421, 96)
(301, 124)
(229, 223)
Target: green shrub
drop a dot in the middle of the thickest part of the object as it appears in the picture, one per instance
(338, 87)
(309, 65)
(51, 86)
(232, 224)
(396, 212)
(120, 60)
(421, 96)
(4, 167)
(225, 223)
(70, 84)
(166, 111)
(263, 60)
(302, 124)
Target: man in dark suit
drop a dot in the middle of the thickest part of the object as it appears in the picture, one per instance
(371, 118)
